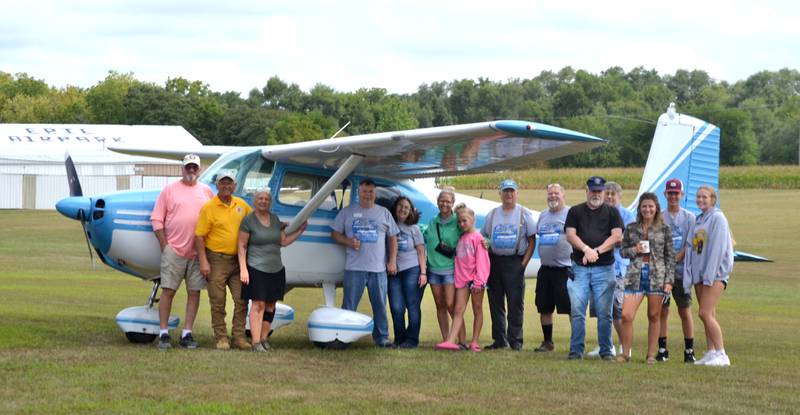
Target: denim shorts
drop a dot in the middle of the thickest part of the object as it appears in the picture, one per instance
(644, 284)
(441, 278)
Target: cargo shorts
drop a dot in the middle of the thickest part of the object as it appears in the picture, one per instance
(175, 268)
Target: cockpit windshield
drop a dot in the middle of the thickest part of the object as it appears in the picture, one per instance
(252, 172)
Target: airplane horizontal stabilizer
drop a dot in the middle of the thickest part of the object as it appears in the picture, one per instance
(745, 257)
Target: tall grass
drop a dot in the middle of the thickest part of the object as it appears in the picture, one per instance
(731, 177)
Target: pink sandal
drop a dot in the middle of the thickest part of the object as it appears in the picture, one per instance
(447, 346)
(475, 347)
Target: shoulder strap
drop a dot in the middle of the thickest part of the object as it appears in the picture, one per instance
(438, 233)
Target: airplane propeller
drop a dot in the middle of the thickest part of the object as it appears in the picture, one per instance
(76, 194)
(72, 177)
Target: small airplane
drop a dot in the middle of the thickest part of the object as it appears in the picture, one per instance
(311, 181)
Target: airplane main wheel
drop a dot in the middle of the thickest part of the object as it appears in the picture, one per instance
(140, 338)
(334, 345)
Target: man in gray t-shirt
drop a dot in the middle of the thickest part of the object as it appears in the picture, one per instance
(554, 252)
(511, 230)
(367, 231)
(679, 220)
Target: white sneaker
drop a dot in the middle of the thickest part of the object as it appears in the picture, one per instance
(621, 353)
(594, 353)
(721, 359)
(709, 355)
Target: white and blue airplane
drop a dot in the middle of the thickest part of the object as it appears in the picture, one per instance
(311, 181)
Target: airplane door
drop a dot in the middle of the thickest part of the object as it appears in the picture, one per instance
(314, 256)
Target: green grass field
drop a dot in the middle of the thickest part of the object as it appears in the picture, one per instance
(61, 352)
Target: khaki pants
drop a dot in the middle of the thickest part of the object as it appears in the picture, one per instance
(225, 272)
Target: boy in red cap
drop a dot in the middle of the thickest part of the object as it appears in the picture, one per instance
(680, 220)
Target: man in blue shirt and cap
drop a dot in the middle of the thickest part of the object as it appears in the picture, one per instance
(511, 230)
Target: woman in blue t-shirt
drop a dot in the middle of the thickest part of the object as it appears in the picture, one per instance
(404, 288)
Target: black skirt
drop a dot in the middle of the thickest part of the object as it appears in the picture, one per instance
(264, 286)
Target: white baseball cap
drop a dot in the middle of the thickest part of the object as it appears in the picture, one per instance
(226, 173)
(192, 159)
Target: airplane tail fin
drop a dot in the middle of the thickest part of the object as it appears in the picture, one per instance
(685, 148)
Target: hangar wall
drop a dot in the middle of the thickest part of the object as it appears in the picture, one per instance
(28, 191)
(32, 173)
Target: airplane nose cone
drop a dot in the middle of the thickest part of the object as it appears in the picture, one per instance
(70, 206)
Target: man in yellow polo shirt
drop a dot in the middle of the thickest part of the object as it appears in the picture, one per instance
(216, 236)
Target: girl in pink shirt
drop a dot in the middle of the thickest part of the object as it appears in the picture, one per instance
(471, 273)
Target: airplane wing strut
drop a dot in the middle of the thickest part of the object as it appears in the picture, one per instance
(324, 192)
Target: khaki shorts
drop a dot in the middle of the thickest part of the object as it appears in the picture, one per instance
(174, 268)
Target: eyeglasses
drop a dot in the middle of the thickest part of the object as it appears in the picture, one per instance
(191, 167)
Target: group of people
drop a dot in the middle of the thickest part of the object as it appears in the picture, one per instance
(389, 255)
(218, 242)
(668, 252)
(595, 255)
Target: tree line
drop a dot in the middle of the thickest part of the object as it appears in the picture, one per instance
(759, 117)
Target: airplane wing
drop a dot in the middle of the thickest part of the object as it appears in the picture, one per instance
(207, 153)
(438, 151)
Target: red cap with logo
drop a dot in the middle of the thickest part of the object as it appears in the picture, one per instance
(674, 186)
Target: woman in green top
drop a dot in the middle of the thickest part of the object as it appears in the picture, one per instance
(261, 269)
(441, 237)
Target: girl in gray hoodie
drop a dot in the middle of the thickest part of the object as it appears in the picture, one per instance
(709, 262)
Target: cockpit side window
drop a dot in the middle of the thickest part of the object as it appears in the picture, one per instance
(386, 195)
(298, 188)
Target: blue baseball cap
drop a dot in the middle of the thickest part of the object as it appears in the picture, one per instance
(508, 184)
(596, 183)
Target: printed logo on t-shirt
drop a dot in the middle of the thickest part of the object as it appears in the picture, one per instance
(677, 237)
(365, 230)
(699, 241)
(549, 234)
(465, 250)
(404, 241)
(504, 236)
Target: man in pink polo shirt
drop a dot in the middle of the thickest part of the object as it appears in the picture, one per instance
(174, 219)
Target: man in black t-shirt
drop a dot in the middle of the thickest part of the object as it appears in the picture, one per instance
(593, 229)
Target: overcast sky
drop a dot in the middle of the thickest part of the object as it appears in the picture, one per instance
(238, 45)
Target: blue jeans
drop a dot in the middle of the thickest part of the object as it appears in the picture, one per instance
(404, 294)
(597, 282)
(354, 283)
